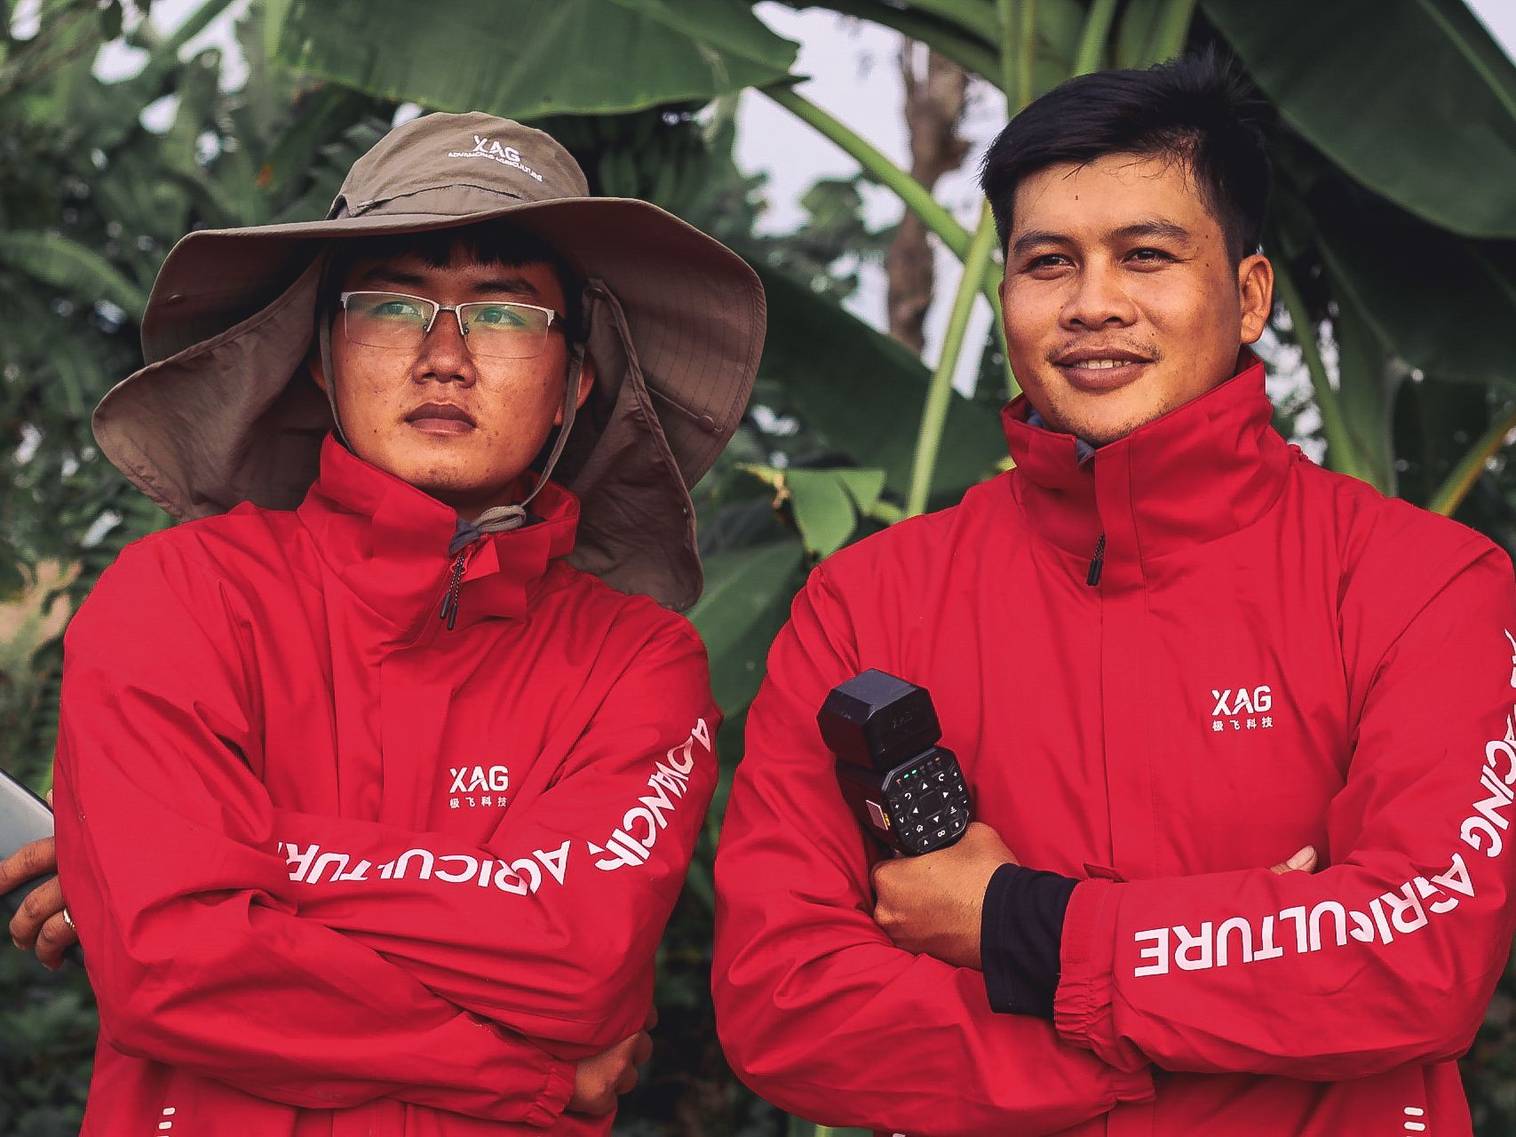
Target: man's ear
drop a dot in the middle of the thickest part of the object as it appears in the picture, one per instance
(313, 364)
(1255, 287)
(586, 385)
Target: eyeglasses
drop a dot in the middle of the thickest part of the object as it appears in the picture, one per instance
(495, 329)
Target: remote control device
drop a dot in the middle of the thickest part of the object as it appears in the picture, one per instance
(906, 790)
(24, 818)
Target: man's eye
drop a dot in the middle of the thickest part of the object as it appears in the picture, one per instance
(1047, 260)
(1149, 256)
(393, 309)
(502, 316)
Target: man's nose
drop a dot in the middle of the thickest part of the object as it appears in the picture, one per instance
(1098, 300)
(444, 354)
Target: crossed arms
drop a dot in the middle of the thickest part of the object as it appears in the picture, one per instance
(206, 955)
(823, 1014)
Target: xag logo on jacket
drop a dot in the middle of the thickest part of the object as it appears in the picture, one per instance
(1243, 708)
(478, 786)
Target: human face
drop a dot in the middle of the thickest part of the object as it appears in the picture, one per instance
(1121, 300)
(461, 428)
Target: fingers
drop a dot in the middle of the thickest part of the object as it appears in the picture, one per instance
(55, 938)
(627, 1082)
(41, 905)
(1302, 861)
(596, 1105)
(629, 1055)
(640, 1048)
(34, 859)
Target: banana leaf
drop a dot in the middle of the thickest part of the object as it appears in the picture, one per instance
(1413, 99)
(529, 58)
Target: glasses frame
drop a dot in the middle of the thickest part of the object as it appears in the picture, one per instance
(555, 319)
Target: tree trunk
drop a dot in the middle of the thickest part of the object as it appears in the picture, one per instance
(934, 101)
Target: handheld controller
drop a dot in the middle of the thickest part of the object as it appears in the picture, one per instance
(906, 790)
(24, 817)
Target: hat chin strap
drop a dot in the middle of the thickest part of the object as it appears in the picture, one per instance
(498, 518)
(324, 339)
(503, 518)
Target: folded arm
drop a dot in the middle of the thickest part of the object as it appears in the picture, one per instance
(1387, 956)
(566, 902)
(818, 1011)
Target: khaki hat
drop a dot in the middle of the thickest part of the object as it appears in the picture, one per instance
(225, 412)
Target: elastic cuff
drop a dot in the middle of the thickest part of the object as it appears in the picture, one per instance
(555, 1095)
(1083, 1012)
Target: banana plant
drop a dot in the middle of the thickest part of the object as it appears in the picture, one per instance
(1327, 81)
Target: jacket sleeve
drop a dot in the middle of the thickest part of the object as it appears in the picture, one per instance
(167, 855)
(566, 903)
(817, 1010)
(1387, 956)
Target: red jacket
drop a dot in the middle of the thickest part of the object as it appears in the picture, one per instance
(339, 870)
(1273, 656)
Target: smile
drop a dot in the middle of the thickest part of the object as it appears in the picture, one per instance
(1102, 374)
(1104, 364)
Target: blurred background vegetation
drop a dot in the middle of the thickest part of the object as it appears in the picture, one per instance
(1393, 235)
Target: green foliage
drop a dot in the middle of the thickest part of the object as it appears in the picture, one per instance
(1429, 82)
(90, 202)
(530, 60)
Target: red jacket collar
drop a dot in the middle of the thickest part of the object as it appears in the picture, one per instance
(388, 541)
(1198, 473)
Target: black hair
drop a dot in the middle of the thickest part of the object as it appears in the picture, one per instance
(1197, 109)
(486, 243)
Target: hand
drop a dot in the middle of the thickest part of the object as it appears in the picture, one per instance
(39, 924)
(934, 904)
(600, 1080)
(1303, 861)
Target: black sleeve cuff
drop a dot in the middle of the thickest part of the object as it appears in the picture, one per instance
(1020, 935)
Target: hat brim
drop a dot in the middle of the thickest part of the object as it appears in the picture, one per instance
(695, 308)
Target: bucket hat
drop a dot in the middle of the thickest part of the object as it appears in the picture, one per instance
(224, 410)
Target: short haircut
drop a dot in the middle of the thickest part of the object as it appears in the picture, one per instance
(486, 243)
(1196, 110)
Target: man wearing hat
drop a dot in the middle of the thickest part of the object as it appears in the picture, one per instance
(378, 779)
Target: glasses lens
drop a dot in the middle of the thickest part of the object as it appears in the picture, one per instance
(502, 330)
(386, 319)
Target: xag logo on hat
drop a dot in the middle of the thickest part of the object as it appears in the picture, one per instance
(505, 155)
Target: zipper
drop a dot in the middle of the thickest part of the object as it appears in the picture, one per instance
(1097, 563)
(449, 610)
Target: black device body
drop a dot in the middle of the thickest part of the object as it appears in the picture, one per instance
(906, 790)
(24, 818)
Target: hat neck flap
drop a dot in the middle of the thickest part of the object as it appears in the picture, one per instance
(638, 529)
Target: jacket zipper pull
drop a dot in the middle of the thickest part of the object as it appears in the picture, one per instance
(450, 601)
(1097, 563)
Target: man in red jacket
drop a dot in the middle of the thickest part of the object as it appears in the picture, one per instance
(373, 800)
(1170, 653)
